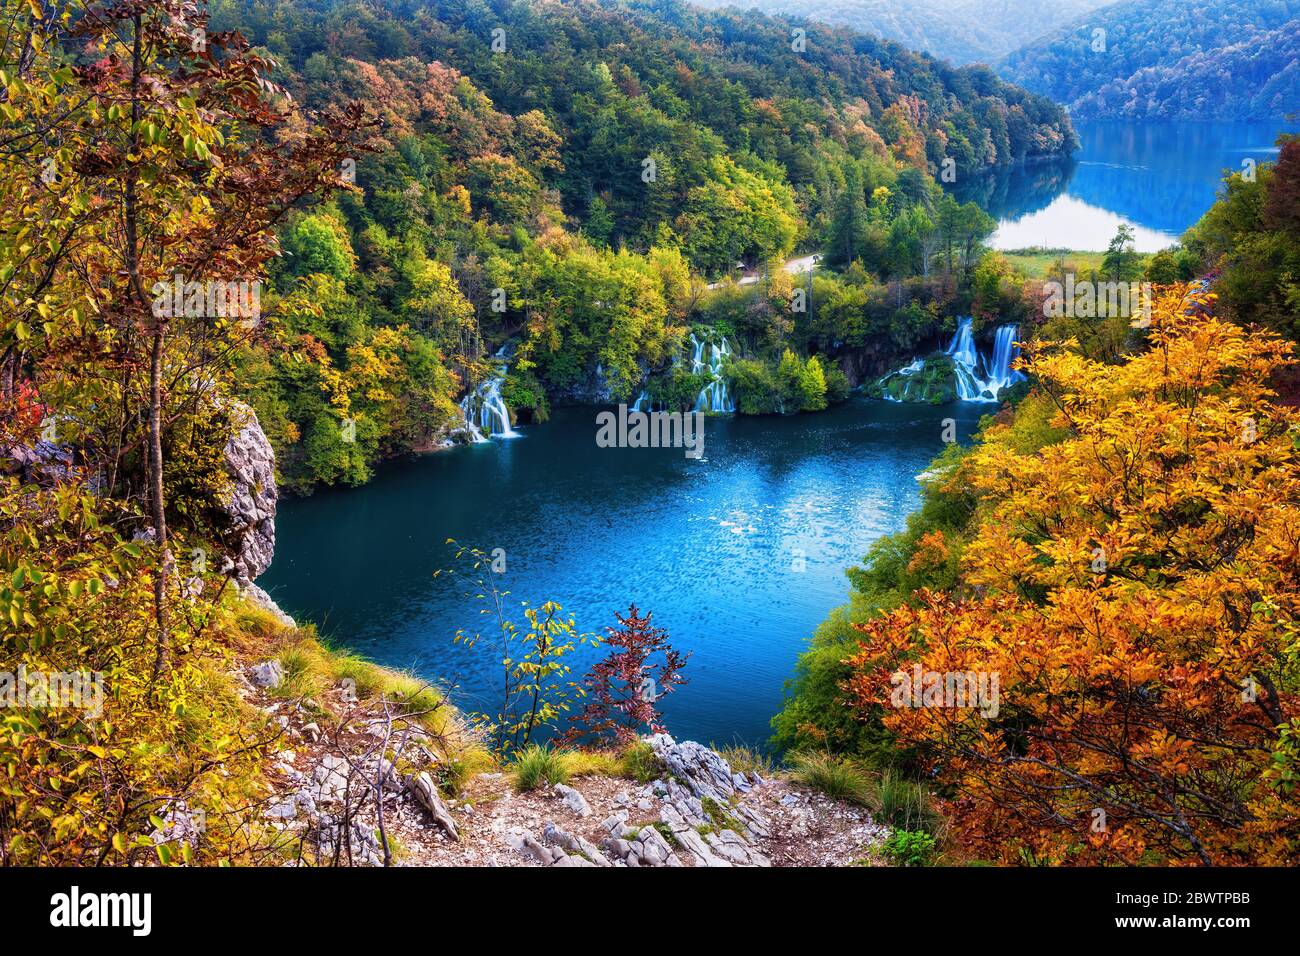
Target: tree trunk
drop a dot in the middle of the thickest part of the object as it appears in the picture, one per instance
(159, 502)
(158, 333)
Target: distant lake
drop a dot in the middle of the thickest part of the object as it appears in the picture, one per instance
(1158, 177)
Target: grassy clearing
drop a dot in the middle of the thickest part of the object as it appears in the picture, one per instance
(1035, 262)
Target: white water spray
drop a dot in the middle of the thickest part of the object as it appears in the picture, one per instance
(980, 379)
(485, 411)
(715, 396)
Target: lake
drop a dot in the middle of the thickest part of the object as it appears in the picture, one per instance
(740, 555)
(1158, 177)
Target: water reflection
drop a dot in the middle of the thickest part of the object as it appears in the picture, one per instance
(1157, 177)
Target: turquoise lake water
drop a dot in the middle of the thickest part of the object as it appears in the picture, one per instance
(739, 555)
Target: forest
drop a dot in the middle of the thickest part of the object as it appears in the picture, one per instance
(1168, 60)
(597, 187)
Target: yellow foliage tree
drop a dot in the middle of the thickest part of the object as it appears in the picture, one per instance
(1117, 683)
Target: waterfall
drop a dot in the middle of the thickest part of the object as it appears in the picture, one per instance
(962, 347)
(485, 411)
(1001, 374)
(906, 372)
(713, 397)
(980, 379)
(976, 378)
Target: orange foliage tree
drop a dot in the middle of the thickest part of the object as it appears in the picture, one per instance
(1132, 591)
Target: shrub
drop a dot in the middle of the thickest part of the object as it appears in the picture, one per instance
(624, 688)
(840, 778)
(909, 848)
(640, 763)
(537, 765)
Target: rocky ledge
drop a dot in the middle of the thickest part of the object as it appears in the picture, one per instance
(333, 792)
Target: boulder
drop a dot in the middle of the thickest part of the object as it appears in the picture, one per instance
(266, 675)
(573, 800)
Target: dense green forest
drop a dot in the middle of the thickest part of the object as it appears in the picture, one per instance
(960, 31)
(1171, 59)
(570, 192)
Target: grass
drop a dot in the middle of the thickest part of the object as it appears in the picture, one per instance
(639, 763)
(720, 817)
(905, 804)
(745, 759)
(538, 765)
(838, 777)
(1035, 262)
(312, 669)
(891, 797)
(667, 833)
(541, 763)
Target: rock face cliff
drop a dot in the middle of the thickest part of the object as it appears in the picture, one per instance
(250, 508)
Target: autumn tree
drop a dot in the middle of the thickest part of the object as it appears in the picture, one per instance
(1133, 588)
(162, 159)
(625, 688)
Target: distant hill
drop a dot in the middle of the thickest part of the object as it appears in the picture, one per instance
(960, 31)
(1170, 59)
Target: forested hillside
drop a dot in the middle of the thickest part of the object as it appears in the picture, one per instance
(1171, 59)
(960, 31)
(565, 183)
(1099, 595)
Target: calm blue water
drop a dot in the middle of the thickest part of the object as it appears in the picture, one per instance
(1158, 177)
(709, 546)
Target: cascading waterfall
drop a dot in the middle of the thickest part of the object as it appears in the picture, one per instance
(978, 379)
(1005, 351)
(485, 411)
(905, 373)
(715, 396)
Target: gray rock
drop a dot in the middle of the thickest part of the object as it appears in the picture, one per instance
(574, 845)
(616, 823)
(422, 787)
(267, 674)
(250, 507)
(573, 800)
(256, 596)
(655, 850)
(702, 770)
(616, 848)
(330, 779)
(285, 809)
(180, 825)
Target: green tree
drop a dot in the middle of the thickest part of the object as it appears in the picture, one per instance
(1121, 262)
(848, 232)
